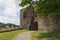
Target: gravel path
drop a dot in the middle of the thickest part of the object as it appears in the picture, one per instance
(23, 36)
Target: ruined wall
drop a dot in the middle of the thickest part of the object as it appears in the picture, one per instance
(25, 17)
(21, 18)
(48, 23)
(27, 21)
(55, 23)
(41, 24)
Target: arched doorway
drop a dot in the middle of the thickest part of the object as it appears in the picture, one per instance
(34, 26)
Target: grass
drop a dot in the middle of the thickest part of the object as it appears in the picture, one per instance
(10, 35)
(45, 35)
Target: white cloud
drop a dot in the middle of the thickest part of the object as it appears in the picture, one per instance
(10, 9)
(2, 4)
(4, 19)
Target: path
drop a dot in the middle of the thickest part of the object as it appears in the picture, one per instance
(24, 36)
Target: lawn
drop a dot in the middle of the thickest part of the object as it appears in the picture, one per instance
(10, 35)
(45, 35)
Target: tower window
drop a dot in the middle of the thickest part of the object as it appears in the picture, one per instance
(24, 15)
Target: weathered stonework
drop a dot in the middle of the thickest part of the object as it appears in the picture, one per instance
(27, 18)
(30, 22)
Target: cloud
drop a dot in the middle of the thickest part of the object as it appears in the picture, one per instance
(10, 10)
(4, 19)
(2, 5)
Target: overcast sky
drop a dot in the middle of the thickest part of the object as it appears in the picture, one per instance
(9, 11)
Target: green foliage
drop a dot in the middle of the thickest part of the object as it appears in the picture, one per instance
(25, 2)
(45, 35)
(44, 7)
(2, 25)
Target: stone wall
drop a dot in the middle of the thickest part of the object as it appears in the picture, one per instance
(55, 23)
(27, 21)
(26, 17)
(49, 23)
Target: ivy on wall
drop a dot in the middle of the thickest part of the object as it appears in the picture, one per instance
(43, 7)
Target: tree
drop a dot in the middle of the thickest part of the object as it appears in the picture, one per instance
(2, 25)
(43, 7)
(49, 9)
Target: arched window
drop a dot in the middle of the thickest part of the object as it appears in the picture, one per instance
(24, 15)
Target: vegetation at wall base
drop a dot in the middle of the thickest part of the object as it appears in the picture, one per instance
(45, 35)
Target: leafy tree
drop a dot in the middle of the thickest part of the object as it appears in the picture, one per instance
(9, 24)
(2, 25)
(43, 7)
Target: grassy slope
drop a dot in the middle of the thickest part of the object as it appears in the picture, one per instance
(45, 36)
(10, 35)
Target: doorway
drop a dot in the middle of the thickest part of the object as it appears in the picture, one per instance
(34, 26)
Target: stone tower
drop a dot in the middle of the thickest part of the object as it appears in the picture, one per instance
(27, 18)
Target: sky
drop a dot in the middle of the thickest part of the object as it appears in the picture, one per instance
(10, 11)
